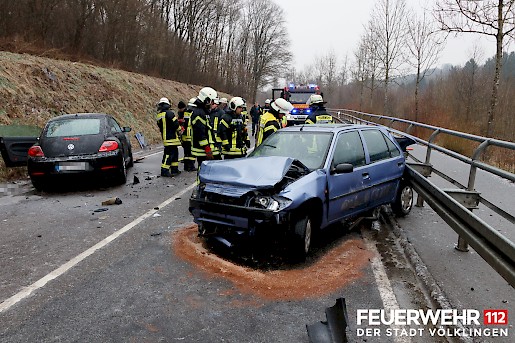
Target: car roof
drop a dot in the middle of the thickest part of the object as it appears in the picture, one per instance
(81, 115)
(325, 127)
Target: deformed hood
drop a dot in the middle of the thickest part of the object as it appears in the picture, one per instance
(251, 172)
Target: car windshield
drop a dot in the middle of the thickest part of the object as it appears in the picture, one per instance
(73, 127)
(308, 147)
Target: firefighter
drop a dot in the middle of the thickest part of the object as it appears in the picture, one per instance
(184, 120)
(271, 121)
(169, 128)
(318, 113)
(202, 138)
(223, 104)
(255, 114)
(266, 108)
(215, 115)
(233, 132)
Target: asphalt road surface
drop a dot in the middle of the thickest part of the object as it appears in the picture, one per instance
(73, 270)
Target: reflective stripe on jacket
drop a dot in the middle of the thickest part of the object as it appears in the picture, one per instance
(202, 134)
(233, 133)
(169, 126)
(268, 125)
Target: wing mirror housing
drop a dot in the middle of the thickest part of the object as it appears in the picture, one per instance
(342, 168)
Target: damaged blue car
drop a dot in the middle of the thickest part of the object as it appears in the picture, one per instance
(302, 179)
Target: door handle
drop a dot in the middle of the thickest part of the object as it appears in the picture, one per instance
(366, 176)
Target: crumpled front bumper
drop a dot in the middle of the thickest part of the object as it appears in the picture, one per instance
(240, 220)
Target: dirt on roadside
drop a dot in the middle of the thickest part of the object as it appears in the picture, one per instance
(338, 266)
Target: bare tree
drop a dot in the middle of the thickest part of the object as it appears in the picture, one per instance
(269, 45)
(424, 48)
(494, 18)
(389, 27)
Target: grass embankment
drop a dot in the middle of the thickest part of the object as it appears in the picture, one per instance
(34, 89)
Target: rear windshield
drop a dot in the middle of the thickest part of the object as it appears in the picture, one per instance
(73, 127)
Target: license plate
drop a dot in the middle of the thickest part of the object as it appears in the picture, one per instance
(72, 166)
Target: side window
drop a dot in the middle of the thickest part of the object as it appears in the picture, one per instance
(394, 151)
(376, 144)
(349, 149)
(113, 125)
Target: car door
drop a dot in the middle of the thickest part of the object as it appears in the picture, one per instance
(347, 191)
(385, 166)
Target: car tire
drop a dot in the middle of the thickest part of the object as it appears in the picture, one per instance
(303, 234)
(131, 160)
(403, 200)
(39, 184)
(122, 172)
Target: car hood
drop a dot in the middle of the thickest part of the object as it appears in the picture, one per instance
(238, 176)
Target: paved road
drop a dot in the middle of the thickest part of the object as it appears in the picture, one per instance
(67, 276)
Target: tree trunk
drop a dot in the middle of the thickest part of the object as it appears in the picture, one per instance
(498, 62)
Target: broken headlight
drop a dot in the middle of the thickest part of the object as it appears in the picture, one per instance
(274, 203)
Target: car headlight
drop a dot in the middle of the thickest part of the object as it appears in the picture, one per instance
(274, 203)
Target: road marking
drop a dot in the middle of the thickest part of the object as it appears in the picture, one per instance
(383, 284)
(25, 292)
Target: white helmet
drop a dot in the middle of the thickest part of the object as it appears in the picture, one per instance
(281, 106)
(164, 101)
(267, 101)
(207, 94)
(192, 102)
(315, 99)
(223, 100)
(236, 102)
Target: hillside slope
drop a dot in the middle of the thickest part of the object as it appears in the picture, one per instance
(34, 89)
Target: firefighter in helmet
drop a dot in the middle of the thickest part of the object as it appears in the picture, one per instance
(318, 113)
(169, 128)
(232, 130)
(202, 136)
(271, 121)
(184, 120)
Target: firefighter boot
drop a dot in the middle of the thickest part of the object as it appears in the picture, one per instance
(174, 171)
(165, 172)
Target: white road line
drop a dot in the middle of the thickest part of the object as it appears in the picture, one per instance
(383, 285)
(25, 292)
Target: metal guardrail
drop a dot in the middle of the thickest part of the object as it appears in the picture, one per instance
(455, 206)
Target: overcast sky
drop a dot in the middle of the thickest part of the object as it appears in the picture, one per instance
(316, 27)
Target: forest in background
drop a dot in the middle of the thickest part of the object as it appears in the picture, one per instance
(233, 46)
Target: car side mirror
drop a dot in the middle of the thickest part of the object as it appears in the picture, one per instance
(126, 129)
(342, 168)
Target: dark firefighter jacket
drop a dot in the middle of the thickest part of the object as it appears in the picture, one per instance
(201, 132)
(268, 125)
(319, 115)
(168, 126)
(233, 133)
(186, 115)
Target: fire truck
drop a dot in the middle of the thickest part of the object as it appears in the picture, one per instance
(297, 95)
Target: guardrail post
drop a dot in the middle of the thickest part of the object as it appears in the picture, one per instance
(420, 200)
(462, 243)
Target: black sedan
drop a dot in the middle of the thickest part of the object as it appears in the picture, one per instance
(84, 143)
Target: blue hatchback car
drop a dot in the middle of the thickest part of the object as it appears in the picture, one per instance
(302, 179)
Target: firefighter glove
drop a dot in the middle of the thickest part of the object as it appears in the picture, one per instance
(209, 153)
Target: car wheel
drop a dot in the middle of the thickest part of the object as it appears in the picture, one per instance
(303, 235)
(39, 184)
(122, 172)
(404, 200)
(131, 160)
